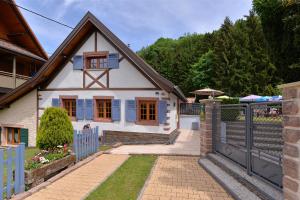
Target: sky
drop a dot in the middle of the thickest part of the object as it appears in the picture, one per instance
(136, 22)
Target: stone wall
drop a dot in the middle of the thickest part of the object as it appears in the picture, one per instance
(291, 136)
(112, 137)
(206, 125)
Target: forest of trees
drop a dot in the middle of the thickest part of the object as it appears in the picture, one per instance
(249, 56)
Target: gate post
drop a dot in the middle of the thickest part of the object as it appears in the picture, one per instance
(291, 137)
(210, 121)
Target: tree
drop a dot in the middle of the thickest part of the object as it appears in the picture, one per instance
(281, 26)
(202, 71)
(55, 129)
(234, 59)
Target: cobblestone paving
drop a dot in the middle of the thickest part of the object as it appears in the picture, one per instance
(80, 182)
(181, 177)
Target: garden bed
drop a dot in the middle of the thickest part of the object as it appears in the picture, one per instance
(37, 176)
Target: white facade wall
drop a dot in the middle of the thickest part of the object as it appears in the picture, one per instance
(122, 125)
(127, 76)
(187, 120)
(173, 107)
(22, 112)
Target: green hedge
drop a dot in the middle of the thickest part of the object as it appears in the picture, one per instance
(230, 114)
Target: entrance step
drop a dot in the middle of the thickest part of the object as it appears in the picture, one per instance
(236, 180)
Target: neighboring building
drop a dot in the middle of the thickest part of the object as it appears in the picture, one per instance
(101, 82)
(21, 56)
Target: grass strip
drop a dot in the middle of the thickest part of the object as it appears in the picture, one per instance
(127, 181)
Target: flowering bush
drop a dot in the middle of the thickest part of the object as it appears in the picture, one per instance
(45, 157)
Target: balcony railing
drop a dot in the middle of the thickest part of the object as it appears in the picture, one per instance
(7, 81)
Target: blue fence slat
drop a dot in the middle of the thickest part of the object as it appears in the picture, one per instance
(17, 169)
(75, 142)
(22, 168)
(90, 142)
(85, 143)
(9, 172)
(80, 146)
(97, 137)
(1, 172)
(94, 140)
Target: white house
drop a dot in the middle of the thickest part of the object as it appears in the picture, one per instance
(101, 82)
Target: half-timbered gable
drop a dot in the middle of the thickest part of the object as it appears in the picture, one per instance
(97, 64)
(99, 81)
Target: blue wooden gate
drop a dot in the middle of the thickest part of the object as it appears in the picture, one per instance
(85, 143)
(12, 170)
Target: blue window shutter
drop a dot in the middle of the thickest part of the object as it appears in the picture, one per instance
(116, 110)
(130, 111)
(80, 109)
(162, 111)
(55, 102)
(78, 62)
(89, 109)
(113, 60)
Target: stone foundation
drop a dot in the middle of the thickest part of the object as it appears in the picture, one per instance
(112, 137)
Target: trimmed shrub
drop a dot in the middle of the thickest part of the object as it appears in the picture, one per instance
(230, 114)
(230, 101)
(55, 129)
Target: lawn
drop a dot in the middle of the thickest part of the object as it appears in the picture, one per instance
(30, 152)
(127, 181)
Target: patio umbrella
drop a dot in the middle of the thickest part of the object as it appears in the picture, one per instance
(276, 98)
(263, 99)
(223, 97)
(250, 98)
(208, 92)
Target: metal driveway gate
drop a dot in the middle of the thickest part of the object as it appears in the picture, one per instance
(251, 135)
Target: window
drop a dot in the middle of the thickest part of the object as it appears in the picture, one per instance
(96, 60)
(147, 111)
(102, 110)
(70, 105)
(13, 135)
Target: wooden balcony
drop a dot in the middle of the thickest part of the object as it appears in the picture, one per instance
(7, 80)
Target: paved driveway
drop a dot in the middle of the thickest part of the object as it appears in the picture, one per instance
(181, 177)
(187, 143)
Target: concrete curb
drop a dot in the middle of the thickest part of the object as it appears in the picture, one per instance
(56, 177)
(164, 154)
